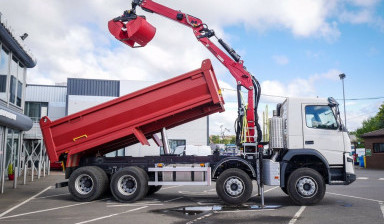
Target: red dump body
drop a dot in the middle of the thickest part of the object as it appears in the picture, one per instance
(134, 117)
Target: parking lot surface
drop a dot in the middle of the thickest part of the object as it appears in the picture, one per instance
(360, 202)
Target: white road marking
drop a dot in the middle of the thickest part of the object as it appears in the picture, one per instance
(22, 203)
(170, 187)
(297, 215)
(207, 203)
(362, 178)
(108, 216)
(350, 196)
(46, 210)
(141, 203)
(267, 190)
(252, 210)
(174, 199)
(381, 178)
(200, 218)
(382, 207)
(51, 196)
(132, 205)
(193, 193)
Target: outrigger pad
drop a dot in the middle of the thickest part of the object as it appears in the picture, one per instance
(135, 33)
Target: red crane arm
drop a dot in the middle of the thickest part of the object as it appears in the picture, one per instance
(231, 60)
(242, 76)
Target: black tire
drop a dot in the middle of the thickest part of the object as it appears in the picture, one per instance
(87, 183)
(153, 189)
(234, 186)
(284, 189)
(129, 184)
(306, 186)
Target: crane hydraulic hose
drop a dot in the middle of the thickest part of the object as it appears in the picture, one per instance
(257, 87)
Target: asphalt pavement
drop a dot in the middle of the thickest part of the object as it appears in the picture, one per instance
(360, 202)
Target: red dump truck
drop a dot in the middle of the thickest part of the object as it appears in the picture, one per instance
(308, 145)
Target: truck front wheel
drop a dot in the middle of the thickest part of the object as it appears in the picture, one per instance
(234, 186)
(129, 184)
(87, 183)
(306, 186)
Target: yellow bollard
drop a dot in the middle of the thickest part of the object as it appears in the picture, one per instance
(365, 162)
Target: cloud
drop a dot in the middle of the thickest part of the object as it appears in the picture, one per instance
(361, 12)
(70, 38)
(298, 87)
(303, 18)
(227, 119)
(357, 113)
(357, 17)
(281, 59)
(364, 3)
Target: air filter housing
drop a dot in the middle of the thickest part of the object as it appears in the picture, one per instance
(276, 140)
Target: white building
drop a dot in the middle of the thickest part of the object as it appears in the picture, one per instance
(15, 58)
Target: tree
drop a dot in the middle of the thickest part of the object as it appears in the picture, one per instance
(215, 139)
(372, 124)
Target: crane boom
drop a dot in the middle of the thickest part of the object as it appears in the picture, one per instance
(245, 131)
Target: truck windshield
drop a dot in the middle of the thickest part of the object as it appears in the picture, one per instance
(320, 117)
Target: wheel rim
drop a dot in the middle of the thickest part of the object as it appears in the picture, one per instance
(84, 184)
(234, 187)
(306, 187)
(127, 185)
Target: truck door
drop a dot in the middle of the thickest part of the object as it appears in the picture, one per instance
(321, 132)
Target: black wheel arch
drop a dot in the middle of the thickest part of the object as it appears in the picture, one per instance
(233, 162)
(298, 158)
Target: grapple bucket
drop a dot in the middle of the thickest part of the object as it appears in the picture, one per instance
(135, 33)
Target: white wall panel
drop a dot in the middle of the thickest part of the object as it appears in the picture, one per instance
(79, 103)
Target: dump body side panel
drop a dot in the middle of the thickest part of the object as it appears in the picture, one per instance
(135, 117)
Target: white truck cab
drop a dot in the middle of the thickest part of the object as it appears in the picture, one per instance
(311, 147)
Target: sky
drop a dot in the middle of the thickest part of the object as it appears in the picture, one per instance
(295, 48)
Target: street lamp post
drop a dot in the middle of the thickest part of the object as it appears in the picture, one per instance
(342, 77)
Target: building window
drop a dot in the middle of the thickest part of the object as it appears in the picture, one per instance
(4, 61)
(14, 65)
(12, 90)
(320, 117)
(16, 83)
(36, 110)
(378, 147)
(19, 93)
(3, 83)
(4, 69)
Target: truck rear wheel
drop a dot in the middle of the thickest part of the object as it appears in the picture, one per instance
(87, 183)
(306, 186)
(129, 184)
(234, 186)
